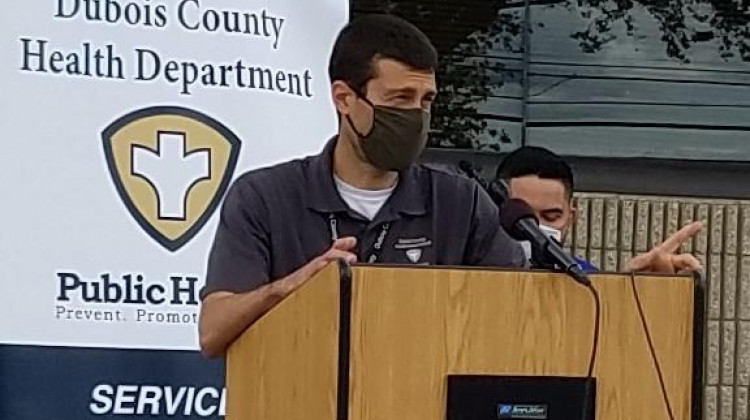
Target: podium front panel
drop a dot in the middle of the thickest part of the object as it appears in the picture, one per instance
(410, 328)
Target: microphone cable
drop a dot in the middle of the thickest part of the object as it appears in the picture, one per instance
(597, 318)
(651, 349)
(594, 348)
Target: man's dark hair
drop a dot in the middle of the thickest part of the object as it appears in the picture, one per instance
(371, 37)
(531, 160)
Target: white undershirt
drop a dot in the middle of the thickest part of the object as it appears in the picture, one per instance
(365, 202)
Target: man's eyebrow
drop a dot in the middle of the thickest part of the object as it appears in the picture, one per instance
(406, 89)
(553, 210)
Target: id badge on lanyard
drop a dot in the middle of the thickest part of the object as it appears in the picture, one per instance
(377, 247)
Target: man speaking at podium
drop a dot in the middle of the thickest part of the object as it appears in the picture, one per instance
(362, 199)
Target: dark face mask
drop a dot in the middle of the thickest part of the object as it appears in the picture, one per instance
(397, 136)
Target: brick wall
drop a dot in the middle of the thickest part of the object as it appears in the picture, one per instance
(612, 228)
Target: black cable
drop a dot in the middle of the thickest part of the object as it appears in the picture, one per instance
(651, 347)
(595, 344)
(594, 350)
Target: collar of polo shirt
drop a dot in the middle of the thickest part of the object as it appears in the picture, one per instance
(410, 196)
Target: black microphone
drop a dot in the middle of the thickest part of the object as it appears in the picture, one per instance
(497, 190)
(518, 219)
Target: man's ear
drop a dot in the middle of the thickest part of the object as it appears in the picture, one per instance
(573, 212)
(343, 97)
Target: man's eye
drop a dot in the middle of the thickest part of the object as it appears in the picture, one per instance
(551, 217)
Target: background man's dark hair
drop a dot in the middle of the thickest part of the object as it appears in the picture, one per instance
(372, 37)
(531, 160)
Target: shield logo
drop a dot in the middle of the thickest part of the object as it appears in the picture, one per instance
(170, 166)
(414, 255)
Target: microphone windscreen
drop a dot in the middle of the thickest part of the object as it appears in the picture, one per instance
(511, 212)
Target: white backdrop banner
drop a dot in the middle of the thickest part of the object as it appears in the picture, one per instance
(123, 123)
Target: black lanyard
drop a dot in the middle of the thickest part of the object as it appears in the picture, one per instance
(377, 247)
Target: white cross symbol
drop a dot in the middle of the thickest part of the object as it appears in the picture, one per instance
(171, 171)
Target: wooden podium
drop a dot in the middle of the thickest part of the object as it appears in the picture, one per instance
(377, 342)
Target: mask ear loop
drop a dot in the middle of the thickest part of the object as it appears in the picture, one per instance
(349, 118)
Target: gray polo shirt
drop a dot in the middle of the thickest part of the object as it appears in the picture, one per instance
(275, 220)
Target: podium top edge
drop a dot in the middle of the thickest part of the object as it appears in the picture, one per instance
(688, 276)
